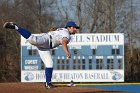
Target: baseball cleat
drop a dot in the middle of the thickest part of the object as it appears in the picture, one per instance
(50, 85)
(9, 25)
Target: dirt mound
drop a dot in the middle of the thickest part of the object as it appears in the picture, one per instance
(39, 88)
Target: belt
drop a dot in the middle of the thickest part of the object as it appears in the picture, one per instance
(50, 42)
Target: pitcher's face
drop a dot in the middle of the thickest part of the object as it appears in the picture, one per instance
(72, 30)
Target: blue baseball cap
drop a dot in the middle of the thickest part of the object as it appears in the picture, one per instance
(72, 24)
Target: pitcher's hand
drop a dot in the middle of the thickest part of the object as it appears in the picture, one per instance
(68, 55)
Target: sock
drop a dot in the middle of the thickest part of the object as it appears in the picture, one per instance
(25, 33)
(16, 27)
(48, 72)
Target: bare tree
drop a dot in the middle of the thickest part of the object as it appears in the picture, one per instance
(30, 14)
(93, 16)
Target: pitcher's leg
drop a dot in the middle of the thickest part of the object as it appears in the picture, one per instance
(47, 59)
(41, 41)
(24, 32)
(11, 25)
(27, 35)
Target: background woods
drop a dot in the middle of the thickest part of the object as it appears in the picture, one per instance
(94, 16)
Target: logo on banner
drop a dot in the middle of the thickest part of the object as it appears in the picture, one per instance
(116, 75)
(29, 76)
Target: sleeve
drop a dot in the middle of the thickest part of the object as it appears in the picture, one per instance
(66, 35)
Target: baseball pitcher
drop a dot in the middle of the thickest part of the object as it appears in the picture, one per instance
(46, 41)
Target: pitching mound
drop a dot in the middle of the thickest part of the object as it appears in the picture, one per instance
(39, 88)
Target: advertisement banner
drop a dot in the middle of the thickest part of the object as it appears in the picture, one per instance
(75, 75)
